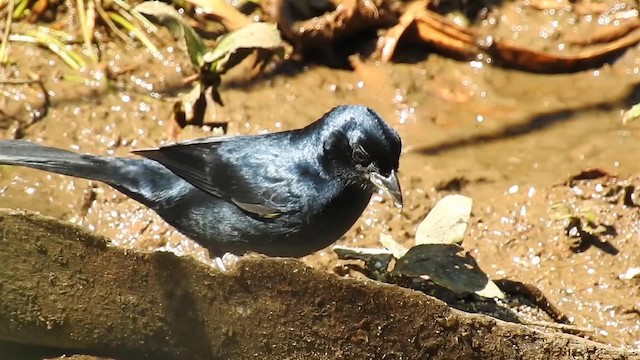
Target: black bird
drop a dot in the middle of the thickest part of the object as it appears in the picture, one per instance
(280, 194)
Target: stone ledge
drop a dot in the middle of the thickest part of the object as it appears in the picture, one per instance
(64, 288)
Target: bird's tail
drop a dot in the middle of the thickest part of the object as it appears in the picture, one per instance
(137, 178)
(23, 153)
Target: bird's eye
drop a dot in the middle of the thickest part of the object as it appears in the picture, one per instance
(361, 156)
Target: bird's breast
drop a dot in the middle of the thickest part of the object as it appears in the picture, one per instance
(338, 215)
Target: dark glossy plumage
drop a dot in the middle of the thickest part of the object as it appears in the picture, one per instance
(281, 194)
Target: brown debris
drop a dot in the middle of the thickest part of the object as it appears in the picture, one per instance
(313, 37)
(607, 34)
(541, 61)
(231, 18)
(436, 29)
(420, 22)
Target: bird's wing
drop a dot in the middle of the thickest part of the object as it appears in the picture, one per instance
(246, 171)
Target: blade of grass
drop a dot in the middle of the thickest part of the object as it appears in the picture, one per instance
(5, 36)
(120, 20)
(58, 34)
(19, 81)
(126, 16)
(72, 78)
(18, 12)
(136, 14)
(105, 17)
(86, 28)
(70, 58)
(91, 22)
(62, 36)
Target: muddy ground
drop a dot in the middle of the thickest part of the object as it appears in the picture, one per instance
(511, 140)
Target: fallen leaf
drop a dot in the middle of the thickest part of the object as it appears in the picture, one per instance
(436, 29)
(463, 42)
(547, 62)
(631, 114)
(446, 222)
(445, 266)
(230, 17)
(374, 258)
(387, 43)
(237, 45)
(604, 34)
(631, 273)
(185, 108)
(394, 247)
(197, 107)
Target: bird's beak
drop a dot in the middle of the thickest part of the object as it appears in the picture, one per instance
(388, 184)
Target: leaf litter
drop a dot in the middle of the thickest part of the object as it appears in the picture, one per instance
(438, 257)
(197, 106)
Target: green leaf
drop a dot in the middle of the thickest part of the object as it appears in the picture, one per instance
(446, 222)
(237, 45)
(445, 266)
(171, 19)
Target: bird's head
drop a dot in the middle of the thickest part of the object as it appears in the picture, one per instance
(361, 149)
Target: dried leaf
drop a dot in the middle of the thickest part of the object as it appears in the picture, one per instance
(36, 10)
(560, 211)
(631, 114)
(198, 106)
(437, 30)
(230, 17)
(87, 19)
(187, 104)
(237, 45)
(491, 290)
(604, 34)
(545, 62)
(375, 259)
(387, 44)
(632, 272)
(169, 17)
(446, 222)
(390, 244)
(593, 228)
(443, 264)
